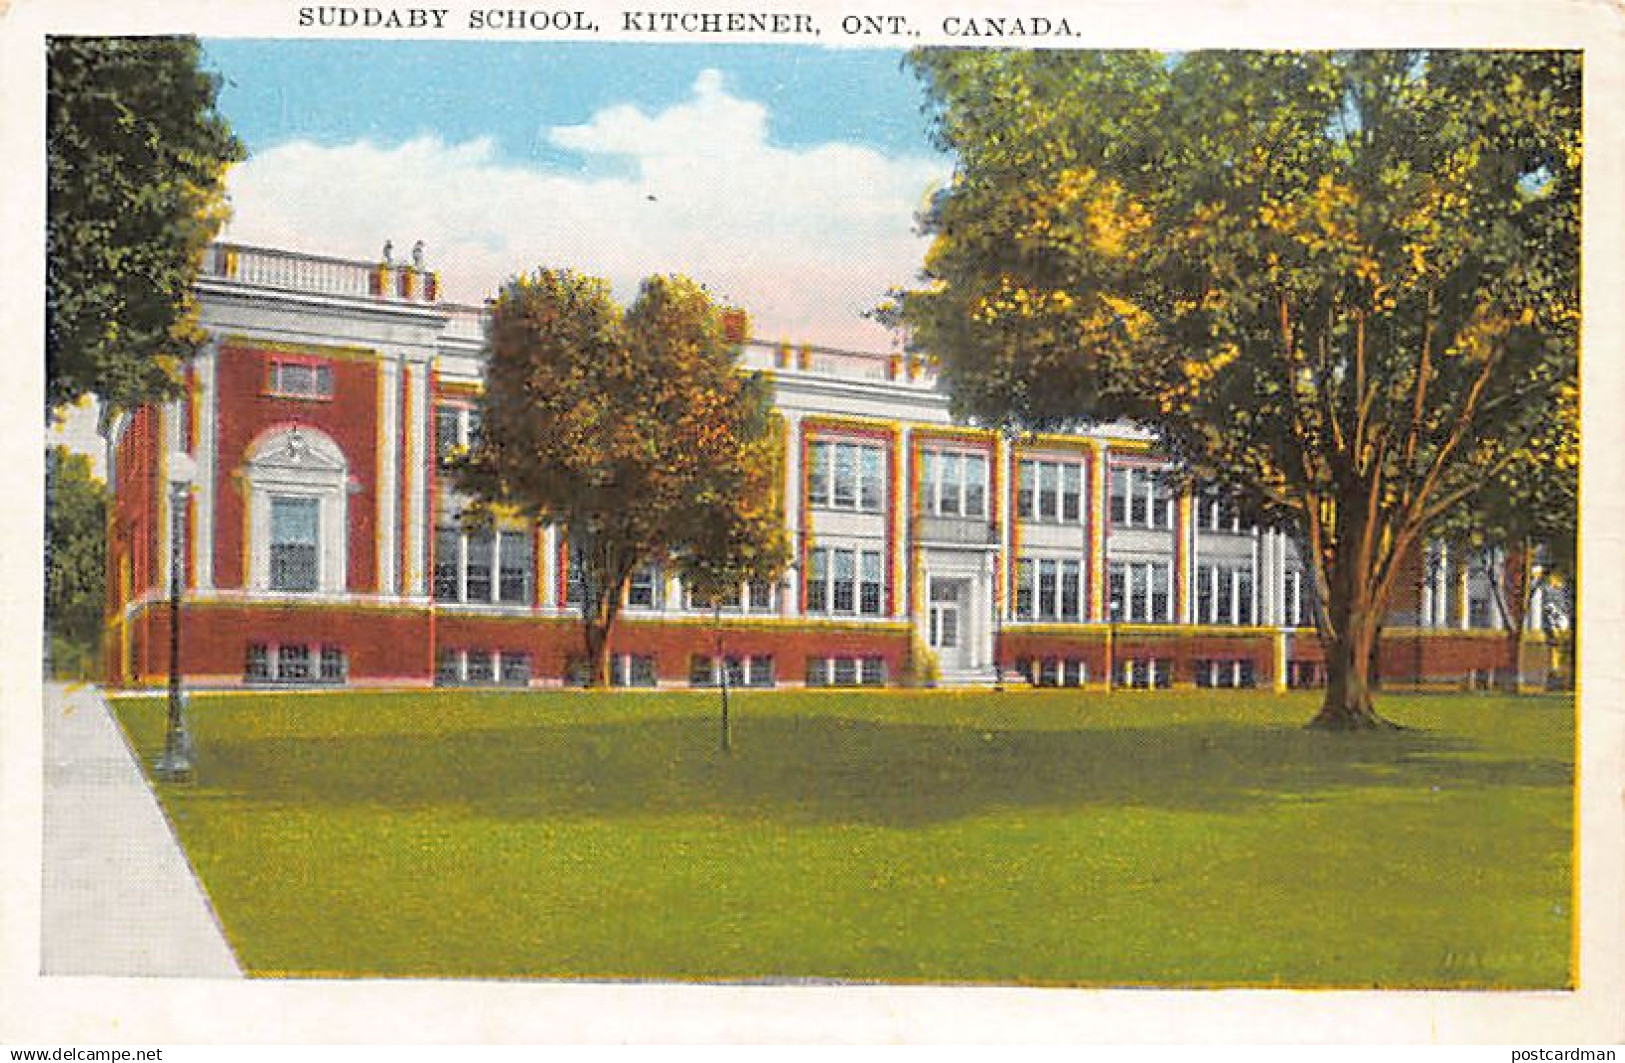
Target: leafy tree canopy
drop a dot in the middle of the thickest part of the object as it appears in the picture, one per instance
(76, 550)
(633, 429)
(1343, 286)
(136, 156)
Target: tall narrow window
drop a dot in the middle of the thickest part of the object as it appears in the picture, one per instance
(869, 589)
(448, 564)
(641, 592)
(975, 485)
(844, 589)
(845, 495)
(1071, 492)
(818, 474)
(869, 466)
(517, 552)
(817, 581)
(949, 497)
(293, 543)
(1049, 491)
(477, 578)
(1026, 487)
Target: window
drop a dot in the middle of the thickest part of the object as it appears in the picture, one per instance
(1305, 674)
(515, 668)
(1049, 589)
(846, 671)
(477, 569)
(743, 671)
(1216, 512)
(269, 663)
(257, 666)
(1224, 594)
(484, 566)
(448, 564)
(845, 581)
(481, 667)
(293, 543)
(1140, 498)
(817, 581)
(456, 428)
(300, 380)
(518, 566)
(642, 591)
(869, 587)
(845, 476)
(334, 666)
(1297, 601)
(448, 668)
(632, 670)
(1145, 673)
(953, 484)
(293, 664)
(1053, 671)
(1232, 674)
(575, 577)
(1137, 592)
(298, 487)
(755, 596)
(1050, 492)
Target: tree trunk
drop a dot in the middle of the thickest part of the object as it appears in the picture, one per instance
(1349, 672)
(595, 628)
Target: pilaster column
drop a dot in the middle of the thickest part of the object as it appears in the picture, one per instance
(1099, 470)
(205, 394)
(1185, 543)
(416, 450)
(389, 494)
(902, 521)
(548, 570)
(795, 493)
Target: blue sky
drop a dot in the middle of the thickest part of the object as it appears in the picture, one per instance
(284, 90)
(787, 177)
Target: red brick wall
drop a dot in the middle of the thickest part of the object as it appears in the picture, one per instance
(247, 411)
(381, 644)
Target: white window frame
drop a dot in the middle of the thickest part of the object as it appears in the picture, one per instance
(1029, 584)
(1031, 476)
(1226, 582)
(299, 462)
(842, 493)
(1146, 484)
(825, 557)
(936, 491)
(1138, 584)
(495, 599)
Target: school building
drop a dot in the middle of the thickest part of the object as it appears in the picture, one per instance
(320, 541)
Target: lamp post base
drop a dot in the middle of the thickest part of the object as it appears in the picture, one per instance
(176, 763)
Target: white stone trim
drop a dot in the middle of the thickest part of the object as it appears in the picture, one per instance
(417, 446)
(299, 462)
(389, 432)
(207, 465)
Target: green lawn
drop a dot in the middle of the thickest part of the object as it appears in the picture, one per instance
(1029, 837)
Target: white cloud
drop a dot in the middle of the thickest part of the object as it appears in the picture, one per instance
(805, 238)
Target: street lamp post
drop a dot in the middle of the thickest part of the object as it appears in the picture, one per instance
(175, 765)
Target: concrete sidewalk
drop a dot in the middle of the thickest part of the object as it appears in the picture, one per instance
(119, 895)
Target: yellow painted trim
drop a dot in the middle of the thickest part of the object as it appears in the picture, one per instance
(972, 435)
(315, 350)
(833, 422)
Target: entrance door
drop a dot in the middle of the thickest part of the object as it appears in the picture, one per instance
(946, 634)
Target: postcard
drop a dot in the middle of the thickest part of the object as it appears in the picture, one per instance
(1091, 523)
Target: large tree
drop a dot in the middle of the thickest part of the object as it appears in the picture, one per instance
(136, 154)
(634, 430)
(1343, 286)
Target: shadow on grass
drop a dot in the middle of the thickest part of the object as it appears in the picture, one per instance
(832, 769)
